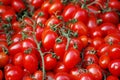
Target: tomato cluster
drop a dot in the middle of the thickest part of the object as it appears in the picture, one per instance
(59, 40)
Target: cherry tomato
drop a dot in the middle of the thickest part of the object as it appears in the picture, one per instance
(114, 67)
(71, 56)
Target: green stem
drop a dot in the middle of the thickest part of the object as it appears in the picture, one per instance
(40, 52)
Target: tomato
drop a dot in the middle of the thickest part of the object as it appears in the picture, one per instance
(52, 21)
(18, 5)
(68, 11)
(90, 59)
(81, 15)
(114, 51)
(59, 47)
(1, 75)
(75, 72)
(16, 26)
(86, 76)
(38, 75)
(48, 39)
(18, 59)
(111, 17)
(4, 58)
(76, 43)
(112, 38)
(50, 62)
(114, 67)
(111, 77)
(103, 49)
(28, 44)
(96, 42)
(84, 40)
(107, 27)
(45, 6)
(9, 16)
(96, 32)
(60, 67)
(55, 7)
(80, 28)
(28, 59)
(63, 76)
(104, 60)
(50, 75)
(96, 71)
(14, 71)
(5, 2)
(114, 4)
(36, 3)
(71, 56)
(39, 30)
(2, 9)
(40, 13)
(3, 45)
(15, 48)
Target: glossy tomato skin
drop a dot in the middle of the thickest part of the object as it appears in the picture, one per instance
(71, 56)
(38, 75)
(114, 67)
(48, 39)
(80, 28)
(36, 3)
(55, 8)
(63, 76)
(18, 5)
(4, 59)
(80, 15)
(96, 71)
(111, 77)
(50, 62)
(60, 67)
(18, 59)
(111, 17)
(68, 11)
(15, 73)
(114, 52)
(28, 59)
(104, 61)
(59, 48)
(15, 48)
(86, 76)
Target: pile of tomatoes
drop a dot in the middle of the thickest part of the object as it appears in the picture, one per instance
(59, 39)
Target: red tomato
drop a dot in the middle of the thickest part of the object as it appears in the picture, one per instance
(96, 71)
(4, 58)
(28, 59)
(80, 28)
(63, 76)
(18, 5)
(80, 15)
(60, 67)
(111, 17)
(50, 62)
(59, 48)
(68, 11)
(71, 56)
(38, 75)
(18, 59)
(86, 76)
(104, 60)
(48, 39)
(114, 67)
(15, 73)
(55, 8)
(111, 77)
(36, 3)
